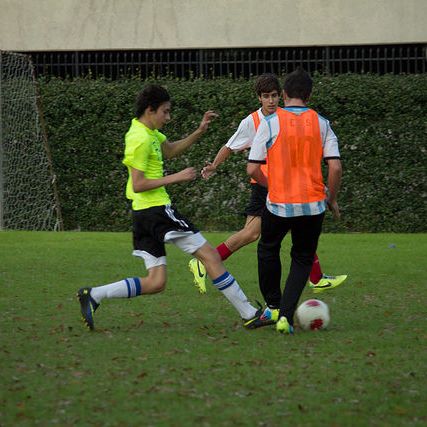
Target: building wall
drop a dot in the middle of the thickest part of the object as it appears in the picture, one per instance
(31, 25)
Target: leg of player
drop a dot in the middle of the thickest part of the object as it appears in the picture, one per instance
(305, 232)
(320, 282)
(227, 284)
(90, 298)
(248, 234)
(269, 266)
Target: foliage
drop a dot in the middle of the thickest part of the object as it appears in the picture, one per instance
(380, 121)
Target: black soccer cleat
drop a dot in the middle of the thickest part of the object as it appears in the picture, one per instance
(88, 306)
(263, 317)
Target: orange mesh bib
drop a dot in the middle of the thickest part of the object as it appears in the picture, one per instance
(295, 174)
(255, 118)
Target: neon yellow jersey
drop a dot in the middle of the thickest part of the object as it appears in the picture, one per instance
(143, 152)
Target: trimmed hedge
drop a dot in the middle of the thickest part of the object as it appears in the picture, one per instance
(380, 121)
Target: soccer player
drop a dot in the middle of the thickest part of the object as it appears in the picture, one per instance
(155, 220)
(268, 89)
(293, 141)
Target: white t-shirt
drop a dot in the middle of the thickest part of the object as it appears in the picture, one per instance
(245, 133)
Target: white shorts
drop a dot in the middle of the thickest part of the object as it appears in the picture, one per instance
(187, 241)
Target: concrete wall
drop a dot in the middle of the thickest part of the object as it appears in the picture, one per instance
(31, 25)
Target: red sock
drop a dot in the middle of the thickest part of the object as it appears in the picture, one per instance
(223, 251)
(316, 271)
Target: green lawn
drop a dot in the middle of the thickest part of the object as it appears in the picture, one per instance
(183, 359)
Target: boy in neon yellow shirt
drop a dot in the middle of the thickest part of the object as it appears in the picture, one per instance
(155, 220)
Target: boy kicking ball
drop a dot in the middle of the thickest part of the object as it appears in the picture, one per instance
(155, 220)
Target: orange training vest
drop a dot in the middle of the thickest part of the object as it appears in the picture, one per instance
(295, 173)
(255, 118)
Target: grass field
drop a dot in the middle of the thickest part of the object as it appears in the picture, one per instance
(183, 359)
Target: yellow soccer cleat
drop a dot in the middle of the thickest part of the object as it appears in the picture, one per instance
(199, 272)
(284, 327)
(327, 282)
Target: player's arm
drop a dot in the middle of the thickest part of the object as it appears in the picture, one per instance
(173, 149)
(334, 183)
(241, 140)
(254, 171)
(222, 155)
(331, 156)
(141, 183)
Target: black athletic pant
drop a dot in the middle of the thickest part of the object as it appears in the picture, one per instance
(305, 232)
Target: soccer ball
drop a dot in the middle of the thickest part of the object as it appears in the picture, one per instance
(313, 314)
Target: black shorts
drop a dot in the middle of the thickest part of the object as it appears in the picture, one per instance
(152, 224)
(257, 202)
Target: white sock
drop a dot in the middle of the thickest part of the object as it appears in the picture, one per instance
(233, 292)
(126, 288)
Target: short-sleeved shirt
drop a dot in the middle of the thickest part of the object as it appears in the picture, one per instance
(243, 137)
(267, 133)
(143, 152)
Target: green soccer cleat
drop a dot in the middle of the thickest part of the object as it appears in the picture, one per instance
(327, 282)
(284, 327)
(199, 272)
(88, 306)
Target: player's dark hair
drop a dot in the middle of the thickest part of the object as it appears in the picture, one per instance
(266, 83)
(298, 84)
(152, 96)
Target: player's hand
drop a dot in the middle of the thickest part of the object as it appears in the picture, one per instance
(187, 174)
(333, 207)
(207, 118)
(208, 170)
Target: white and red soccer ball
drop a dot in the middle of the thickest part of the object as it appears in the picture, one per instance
(313, 315)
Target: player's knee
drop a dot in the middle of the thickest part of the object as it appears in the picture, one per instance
(210, 257)
(248, 235)
(305, 258)
(253, 236)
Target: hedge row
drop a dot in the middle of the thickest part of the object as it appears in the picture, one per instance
(380, 121)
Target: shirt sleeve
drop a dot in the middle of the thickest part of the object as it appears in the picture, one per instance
(243, 137)
(137, 154)
(161, 137)
(142, 154)
(258, 151)
(330, 141)
(139, 151)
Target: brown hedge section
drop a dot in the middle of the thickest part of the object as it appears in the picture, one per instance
(380, 121)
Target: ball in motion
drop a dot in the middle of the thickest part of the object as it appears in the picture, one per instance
(313, 314)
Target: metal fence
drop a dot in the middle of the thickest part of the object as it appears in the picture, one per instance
(208, 63)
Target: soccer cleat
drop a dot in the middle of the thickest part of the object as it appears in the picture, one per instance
(253, 322)
(88, 306)
(265, 317)
(199, 272)
(284, 327)
(327, 282)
